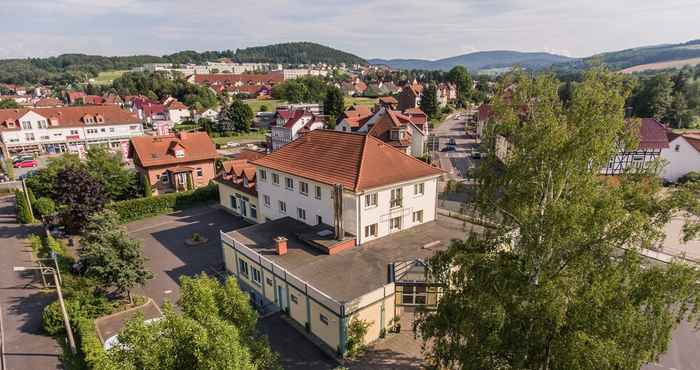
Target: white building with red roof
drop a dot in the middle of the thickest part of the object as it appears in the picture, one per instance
(291, 123)
(67, 129)
(681, 157)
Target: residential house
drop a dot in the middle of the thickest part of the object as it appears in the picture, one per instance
(399, 131)
(653, 138)
(483, 116)
(446, 93)
(290, 124)
(177, 112)
(321, 197)
(388, 102)
(209, 113)
(237, 189)
(353, 118)
(410, 96)
(66, 129)
(355, 87)
(175, 163)
(681, 157)
(47, 103)
(74, 97)
(149, 110)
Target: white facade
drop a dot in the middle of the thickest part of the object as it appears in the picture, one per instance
(679, 159)
(368, 215)
(39, 133)
(178, 115)
(281, 135)
(290, 74)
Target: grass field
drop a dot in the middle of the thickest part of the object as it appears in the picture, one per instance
(360, 101)
(106, 77)
(256, 104)
(662, 65)
(247, 137)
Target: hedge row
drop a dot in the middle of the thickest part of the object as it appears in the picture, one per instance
(136, 209)
(24, 215)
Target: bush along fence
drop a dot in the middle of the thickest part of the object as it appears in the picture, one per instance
(136, 209)
(24, 214)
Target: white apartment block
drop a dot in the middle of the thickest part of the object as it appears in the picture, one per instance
(66, 129)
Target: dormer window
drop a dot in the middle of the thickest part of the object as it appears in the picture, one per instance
(179, 153)
(397, 134)
(99, 118)
(87, 119)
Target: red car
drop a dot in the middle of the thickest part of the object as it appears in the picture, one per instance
(26, 163)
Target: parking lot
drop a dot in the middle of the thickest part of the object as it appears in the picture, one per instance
(169, 257)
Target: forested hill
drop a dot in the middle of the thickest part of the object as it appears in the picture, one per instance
(297, 53)
(69, 68)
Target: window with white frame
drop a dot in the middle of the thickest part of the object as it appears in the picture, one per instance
(396, 197)
(370, 230)
(27, 125)
(418, 216)
(29, 136)
(371, 200)
(253, 212)
(266, 200)
(395, 223)
(200, 172)
(257, 276)
(283, 207)
(303, 188)
(289, 183)
(419, 189)
(275, 179)
(301, 213)
(263, 175)
(234, 202)
(317, 192)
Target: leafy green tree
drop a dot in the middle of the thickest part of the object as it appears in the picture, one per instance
(292, 91)
(43, 181)
(203, 298)
(180, 342)
(334, 103)
(9, 169)
(45, 207)
(560, 284)
(9, 104)
(264, 108)
(108, 168)
(237, 117)
(110, 256)
(653, 97)
(428, 101)
(79, 195)
(207, 125)
(465, 86)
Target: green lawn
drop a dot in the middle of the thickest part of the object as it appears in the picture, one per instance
(247, 137)
(256, 104)
(370, 102)
(106, 77)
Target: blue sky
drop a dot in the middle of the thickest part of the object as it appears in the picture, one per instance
(369, 28)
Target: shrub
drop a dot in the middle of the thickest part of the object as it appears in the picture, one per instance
(135, 209)
(81, 306)
(147, 189)
(357, 329)
(44, 207)
(90, 346)
(689, 177)
(24, 215)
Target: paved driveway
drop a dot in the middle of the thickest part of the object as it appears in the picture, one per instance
(169, 258)
(21, 306)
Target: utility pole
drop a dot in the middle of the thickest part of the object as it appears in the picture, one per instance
(66, 320)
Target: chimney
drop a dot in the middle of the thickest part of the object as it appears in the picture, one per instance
(281, 245)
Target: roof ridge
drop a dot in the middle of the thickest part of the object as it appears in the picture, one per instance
(407, 155)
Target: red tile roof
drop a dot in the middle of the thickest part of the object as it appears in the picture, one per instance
(358, 162)
(392, 120)
(652, 134)
(72, 116)
(175, 104)
(48, 102)
(159, 150)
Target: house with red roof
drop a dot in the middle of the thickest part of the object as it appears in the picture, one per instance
(67, 129)
(177, 111)
(682, 155)
(174, 163)
(291, 123)
(237, 190)
(346, 216)
(653, 138)
(410, 96)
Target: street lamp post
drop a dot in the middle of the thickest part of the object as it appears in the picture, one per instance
(66, 320)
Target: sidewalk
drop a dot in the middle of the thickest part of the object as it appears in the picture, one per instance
(26, 348)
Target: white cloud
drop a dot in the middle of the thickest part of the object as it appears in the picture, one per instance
(370, 28)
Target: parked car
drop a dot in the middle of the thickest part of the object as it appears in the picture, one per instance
(26, 163)
(21, 158)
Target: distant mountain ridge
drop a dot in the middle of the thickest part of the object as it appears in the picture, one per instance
(481, 60)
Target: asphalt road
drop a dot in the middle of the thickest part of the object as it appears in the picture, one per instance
(22, 305)
(457, 163)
